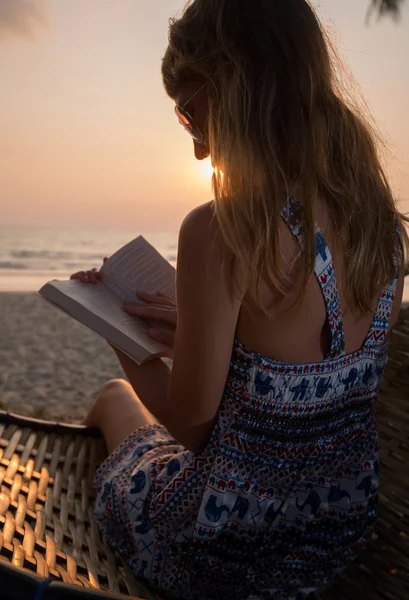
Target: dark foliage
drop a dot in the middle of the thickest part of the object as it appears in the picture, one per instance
(385, 7)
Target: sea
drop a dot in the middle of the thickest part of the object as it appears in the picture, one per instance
(29, 257)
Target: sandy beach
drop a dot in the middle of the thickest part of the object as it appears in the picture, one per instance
(50, 366)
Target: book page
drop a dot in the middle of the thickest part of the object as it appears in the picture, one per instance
(138, 267)
(100, 301)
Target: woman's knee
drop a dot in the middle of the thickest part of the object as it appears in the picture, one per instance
(117, 412)
(113, 396)
(114, 385)
(119, 389)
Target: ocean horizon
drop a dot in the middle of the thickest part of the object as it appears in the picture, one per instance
(31, 256)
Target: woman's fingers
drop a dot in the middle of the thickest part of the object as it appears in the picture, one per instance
(165, 336)
(81, 275)
(92, 276)
(162, 295)
(146, 311)
(159, 299)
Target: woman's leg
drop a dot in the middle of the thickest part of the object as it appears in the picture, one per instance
(117, 412)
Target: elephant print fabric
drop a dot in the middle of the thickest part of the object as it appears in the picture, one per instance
(283, 497)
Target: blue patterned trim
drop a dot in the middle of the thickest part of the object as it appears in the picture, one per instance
(325, 273)
(380, 323)
(247, 357)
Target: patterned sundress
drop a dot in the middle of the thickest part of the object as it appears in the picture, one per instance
(283, 497)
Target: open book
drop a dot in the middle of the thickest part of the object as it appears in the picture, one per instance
(137, 266)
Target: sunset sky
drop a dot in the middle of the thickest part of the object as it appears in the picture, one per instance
(88, 137)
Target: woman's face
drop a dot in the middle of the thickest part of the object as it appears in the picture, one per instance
(198, 109)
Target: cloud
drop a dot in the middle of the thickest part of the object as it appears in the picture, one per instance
(23, 18)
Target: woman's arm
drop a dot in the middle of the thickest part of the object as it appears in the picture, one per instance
(187, 400)
(150, 382)
(207, 316)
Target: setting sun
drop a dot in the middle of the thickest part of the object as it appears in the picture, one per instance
(206, 168)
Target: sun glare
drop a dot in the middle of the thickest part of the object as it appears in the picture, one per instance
(206, 168)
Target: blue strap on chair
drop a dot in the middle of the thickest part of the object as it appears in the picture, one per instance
(40, 590)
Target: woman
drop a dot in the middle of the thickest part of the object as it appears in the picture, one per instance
(251, 470)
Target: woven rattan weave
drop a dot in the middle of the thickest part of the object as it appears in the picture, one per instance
(46, 501)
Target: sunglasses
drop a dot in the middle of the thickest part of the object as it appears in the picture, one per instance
(187, 121)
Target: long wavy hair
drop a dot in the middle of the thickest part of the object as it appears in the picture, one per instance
(282, 122)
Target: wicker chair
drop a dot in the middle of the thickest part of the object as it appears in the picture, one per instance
(50, 546)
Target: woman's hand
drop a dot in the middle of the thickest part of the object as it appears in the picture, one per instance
(159, 311)
(92, 276)
(161, 314)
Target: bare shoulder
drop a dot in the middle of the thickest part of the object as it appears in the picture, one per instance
(199, 222)
(200, 231)
(203, 251)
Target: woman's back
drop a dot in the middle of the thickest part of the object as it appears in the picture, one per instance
(298, 332)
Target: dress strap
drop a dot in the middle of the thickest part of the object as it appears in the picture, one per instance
(324, 271)
(380, 323)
